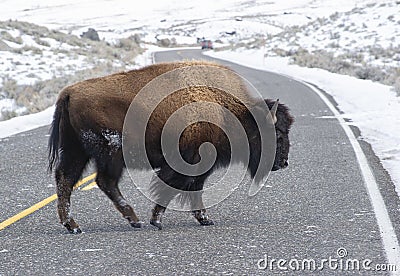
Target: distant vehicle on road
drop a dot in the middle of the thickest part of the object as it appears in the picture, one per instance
(206, 44)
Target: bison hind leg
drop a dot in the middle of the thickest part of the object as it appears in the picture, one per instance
(68, 171)
(109, 172)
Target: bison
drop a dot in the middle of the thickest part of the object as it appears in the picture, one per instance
(88, 124)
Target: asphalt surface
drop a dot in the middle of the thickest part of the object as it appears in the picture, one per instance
(319, 204)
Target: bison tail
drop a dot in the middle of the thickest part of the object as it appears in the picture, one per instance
(60, 122)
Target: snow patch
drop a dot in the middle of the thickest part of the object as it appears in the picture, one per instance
(114, 139)
(89, 137)
(25, 123)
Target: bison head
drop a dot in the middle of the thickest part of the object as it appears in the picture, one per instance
(283, 121)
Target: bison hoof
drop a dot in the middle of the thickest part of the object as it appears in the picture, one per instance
(206, 222)
(138, 224)
(72, 227)
(75, 231)
(156, 223)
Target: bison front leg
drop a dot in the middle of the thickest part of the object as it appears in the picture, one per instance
(199, 211)
(156, 216)
(162, 194)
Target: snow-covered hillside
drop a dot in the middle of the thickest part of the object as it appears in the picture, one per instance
(37, 62)
(189, 18)
(355, 37)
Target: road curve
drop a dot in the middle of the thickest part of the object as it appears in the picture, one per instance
(314, 210)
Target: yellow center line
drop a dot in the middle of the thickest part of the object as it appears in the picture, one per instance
(84, 180)
(89, 186)
(41, 204)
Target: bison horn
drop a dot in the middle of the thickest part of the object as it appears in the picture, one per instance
(273, 111)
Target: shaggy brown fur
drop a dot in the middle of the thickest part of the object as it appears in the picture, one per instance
(90, 111)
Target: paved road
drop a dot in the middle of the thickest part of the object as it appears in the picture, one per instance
(316, 206)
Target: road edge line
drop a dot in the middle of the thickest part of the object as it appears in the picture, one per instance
(388, 235)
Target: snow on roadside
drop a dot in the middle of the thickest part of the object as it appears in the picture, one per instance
(372, 107)
(25, 123)
(10, 106)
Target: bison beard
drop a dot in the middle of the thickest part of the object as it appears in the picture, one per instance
(82, 132)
